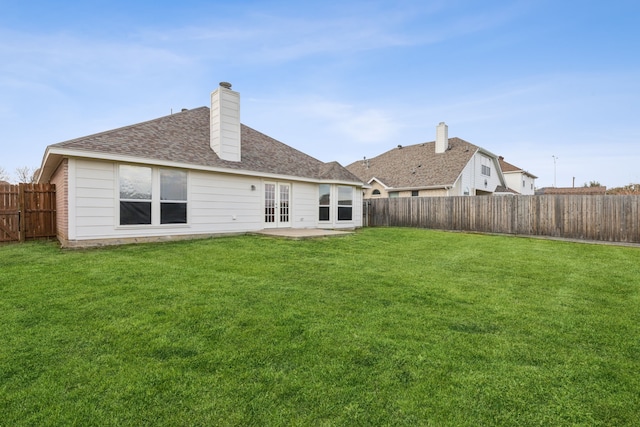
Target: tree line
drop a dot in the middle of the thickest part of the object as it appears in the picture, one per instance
(24, 175)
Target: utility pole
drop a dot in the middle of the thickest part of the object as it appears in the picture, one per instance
(554, 169)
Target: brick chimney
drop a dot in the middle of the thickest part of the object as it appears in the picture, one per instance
(442, 137)
(225, 123)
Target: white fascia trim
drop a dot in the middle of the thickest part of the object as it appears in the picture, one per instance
(429, 187)
(379, 182)
(45, 160)
(140, 160)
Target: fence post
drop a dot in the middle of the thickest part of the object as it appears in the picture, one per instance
(21, 214)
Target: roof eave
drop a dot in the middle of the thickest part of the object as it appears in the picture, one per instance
(59, 153)
(428, 187)
(379, 182)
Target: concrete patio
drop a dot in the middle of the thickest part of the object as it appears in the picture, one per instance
(303, 233)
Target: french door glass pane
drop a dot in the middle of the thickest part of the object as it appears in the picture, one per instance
(284, 203)
(269, 203)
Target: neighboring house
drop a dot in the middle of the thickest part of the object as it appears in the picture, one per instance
(518, 180)
(199, 172)
(578, 191)
(444, 167)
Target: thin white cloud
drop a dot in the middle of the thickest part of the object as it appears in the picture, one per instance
(68, 57)
(354, 123)
(263, 36)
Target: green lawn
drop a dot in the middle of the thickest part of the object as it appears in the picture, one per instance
(384, 327)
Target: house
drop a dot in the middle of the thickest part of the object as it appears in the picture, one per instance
(199, 172)
(517, 179)
(444, 167)
(599, 190)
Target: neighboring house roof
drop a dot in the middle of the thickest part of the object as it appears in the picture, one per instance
(509, 168)
(184, 138)
(583, 191)
(417, 166)
(503, 189)
(4, 182)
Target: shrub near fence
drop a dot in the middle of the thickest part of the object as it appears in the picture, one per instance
(603, 218)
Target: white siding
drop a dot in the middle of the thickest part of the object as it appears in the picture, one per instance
(473, 177)
(514, 181)
(222, 203)
(304, 205)
(95, 203)
(217, 203)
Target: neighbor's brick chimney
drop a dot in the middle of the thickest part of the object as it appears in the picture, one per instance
(225, 123)
(442, 137)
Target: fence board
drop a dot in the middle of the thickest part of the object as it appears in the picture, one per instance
(27, 211)
(604, 218)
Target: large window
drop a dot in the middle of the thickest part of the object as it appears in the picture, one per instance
(345, 203)
(324, 202)
(135, 195)
(151, 196)
(173, 196)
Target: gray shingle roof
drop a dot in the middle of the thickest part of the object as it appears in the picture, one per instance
(417, 166)
(508, 167)
(184, 138)
(582, 191)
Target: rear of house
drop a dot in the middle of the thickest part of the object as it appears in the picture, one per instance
(199, 172)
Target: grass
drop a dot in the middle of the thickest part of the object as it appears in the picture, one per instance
(384, 327)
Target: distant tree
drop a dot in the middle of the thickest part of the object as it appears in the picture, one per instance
(626, 190)
(4, 176)
(592, 184)
(26, 174)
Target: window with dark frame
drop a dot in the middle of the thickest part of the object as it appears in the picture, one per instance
(138, 200)
(135, 195)
(345, 203)
(324, 202)
(173, 196)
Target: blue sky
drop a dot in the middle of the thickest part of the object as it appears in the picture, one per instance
(527, 80)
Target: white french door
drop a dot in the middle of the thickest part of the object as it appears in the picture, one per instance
(277, 204)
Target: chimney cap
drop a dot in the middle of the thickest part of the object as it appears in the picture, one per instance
(225, 85)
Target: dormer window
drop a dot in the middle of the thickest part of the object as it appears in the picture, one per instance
(486, 166)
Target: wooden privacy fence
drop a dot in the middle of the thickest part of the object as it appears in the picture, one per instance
(27, 211)
(603, 218)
